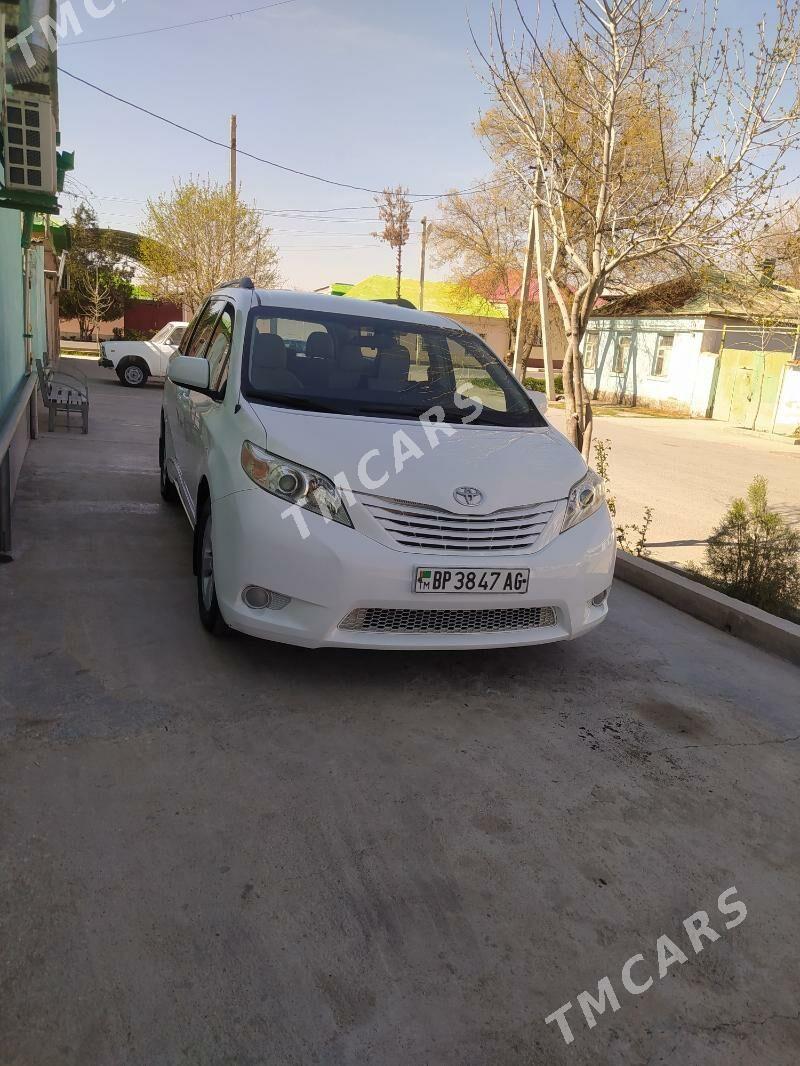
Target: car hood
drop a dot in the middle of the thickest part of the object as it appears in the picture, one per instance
(510, 467)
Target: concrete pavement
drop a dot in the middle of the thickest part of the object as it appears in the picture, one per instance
(226, 852)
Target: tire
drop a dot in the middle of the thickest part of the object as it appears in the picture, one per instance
(207, 605)
(168, 490)
(133, 373)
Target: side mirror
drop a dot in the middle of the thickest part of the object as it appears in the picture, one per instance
(540, 399)
(190, 373)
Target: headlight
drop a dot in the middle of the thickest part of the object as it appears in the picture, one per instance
(294, 483)
(585, 498)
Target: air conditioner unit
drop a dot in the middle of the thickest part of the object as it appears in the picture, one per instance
(29, 139)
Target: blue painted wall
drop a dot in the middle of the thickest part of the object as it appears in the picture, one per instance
(12, 346)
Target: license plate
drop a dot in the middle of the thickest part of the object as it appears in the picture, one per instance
(472, 582)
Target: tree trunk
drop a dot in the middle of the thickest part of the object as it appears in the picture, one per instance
(578, 409)
(399, 269)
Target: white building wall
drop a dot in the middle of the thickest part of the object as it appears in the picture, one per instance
(493, 330)
(684, 374)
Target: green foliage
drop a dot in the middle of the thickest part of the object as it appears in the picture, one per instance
(538, 385)
(754, 555)
(99, 281)
(602, 455)
(199, 235)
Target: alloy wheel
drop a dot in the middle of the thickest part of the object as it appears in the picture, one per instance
(207, 567)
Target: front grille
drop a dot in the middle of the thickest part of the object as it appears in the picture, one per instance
(432, 529)
(396, 620)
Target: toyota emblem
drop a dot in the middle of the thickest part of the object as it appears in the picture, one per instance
(467, 496)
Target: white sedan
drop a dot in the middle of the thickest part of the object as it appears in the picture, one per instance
(137, 361)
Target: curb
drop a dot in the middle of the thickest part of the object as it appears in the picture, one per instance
(731, 616)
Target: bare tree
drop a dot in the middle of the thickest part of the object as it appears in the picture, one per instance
(482, 237)
(97, 300)
(722, 121)
(781, 242)
(394, 209)
(187, 246)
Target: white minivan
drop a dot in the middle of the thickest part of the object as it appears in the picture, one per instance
(363, 475)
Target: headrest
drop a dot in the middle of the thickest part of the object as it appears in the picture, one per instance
(351, 358)
(319, 346)
(394, 363)
(269, 352)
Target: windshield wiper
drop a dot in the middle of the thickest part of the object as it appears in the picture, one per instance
(388, 409)
(300, 403)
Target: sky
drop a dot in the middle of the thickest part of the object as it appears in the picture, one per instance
(370, 94)
(367, 93)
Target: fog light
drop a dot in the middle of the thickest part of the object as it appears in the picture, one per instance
(258, 599)
(598, 601)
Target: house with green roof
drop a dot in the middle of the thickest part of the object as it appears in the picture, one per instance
(710, 344)
(488, 320)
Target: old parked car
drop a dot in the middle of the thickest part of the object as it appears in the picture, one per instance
(137, 361)
(390, 486)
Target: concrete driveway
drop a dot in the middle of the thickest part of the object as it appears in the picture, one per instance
(226, 852)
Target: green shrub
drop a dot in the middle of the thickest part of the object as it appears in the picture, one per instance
(754, 555)
(637, 546)
(537, 384)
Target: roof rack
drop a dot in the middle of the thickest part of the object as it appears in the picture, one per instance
(241, 283)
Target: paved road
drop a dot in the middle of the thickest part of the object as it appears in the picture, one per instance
(233, 854)
(688, 471)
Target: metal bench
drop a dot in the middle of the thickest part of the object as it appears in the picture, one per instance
(63, 391)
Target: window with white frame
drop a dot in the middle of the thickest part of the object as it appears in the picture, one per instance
(591, 347)
(660, 367)
(622, 350)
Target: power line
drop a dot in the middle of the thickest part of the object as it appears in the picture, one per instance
(418, 197)
(179, 25)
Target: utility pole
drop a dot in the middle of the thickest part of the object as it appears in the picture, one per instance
(234, 189)
(422, 267)
(549, 378)
(233, 155)
(519, 357)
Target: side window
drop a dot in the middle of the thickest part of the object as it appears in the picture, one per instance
(664, 343)
(184, 344)
(177, 336)
(219, 351)
(622, 350)
(590, 350)
(205, 328)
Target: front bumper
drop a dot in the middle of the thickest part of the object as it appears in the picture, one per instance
(105, 362)
(337, 570)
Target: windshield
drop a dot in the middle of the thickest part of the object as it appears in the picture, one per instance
(169, 334)
(369, 366)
